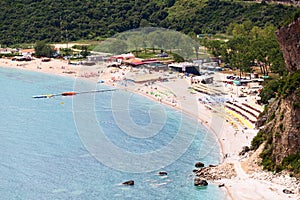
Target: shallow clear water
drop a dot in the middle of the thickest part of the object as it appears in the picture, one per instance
(44, 155)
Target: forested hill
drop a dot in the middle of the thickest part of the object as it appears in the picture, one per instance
(24, 21)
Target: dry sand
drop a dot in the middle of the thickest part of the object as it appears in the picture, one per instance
(231, 141)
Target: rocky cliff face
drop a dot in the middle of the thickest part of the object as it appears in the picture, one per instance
(286, 129)
(289, 41)
(280, 123)
(282, 128)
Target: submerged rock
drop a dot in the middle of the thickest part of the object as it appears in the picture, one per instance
(162, 173)
(130, 182)
(200, 182)
(199, 164)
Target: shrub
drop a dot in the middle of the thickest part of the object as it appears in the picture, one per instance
(257, 140)
(281, 116)
(292, 163)
(272, 116)
(177, 58)
(281, 127)
(267, 158)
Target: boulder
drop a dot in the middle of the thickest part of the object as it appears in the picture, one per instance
(245, 149)
(199, 164)
(130, 182)
(162, 173)
(200, 182)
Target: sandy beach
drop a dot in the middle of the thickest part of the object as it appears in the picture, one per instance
(231, 132)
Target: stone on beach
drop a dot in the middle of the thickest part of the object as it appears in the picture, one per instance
(245, 149)
(286, 191)
(221, 185)
(225, 170)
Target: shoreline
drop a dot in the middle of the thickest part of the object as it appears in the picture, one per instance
(57, 70)
(47, 68)
(230, 140)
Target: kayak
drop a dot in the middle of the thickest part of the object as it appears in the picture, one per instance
(43, 96)
(68, 93)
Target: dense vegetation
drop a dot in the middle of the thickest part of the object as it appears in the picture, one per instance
(282, 87)
(25, 21)
(249, 48)
(292, 163)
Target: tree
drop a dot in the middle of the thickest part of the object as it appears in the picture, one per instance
(137, 41)
(84, 51)
(117, 46)
(155, 40)
(43, 50)
(240, 55)
(266, 52)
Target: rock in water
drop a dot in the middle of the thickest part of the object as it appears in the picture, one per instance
(200, 182)
(199, 164)
(162, 173)
(130, 182)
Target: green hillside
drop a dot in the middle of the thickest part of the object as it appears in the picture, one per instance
(25, 21)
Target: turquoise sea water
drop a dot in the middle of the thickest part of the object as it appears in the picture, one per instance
(44, 155)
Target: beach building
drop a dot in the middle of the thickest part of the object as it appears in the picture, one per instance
(122, 57)
(5, 51)
(98, 58)
(202, 79)
(186, 67)
(157, 66)
(27, 52)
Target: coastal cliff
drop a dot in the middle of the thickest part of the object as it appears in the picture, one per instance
(280, 123)
(288, 38)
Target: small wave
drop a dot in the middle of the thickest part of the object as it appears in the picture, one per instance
(158, 184)
(60, 190)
